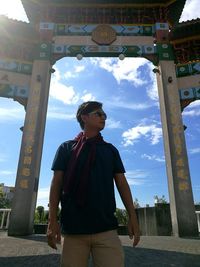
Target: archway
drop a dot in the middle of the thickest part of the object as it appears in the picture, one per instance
(106, 35)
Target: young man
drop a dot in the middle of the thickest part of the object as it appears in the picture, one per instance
(84, 173)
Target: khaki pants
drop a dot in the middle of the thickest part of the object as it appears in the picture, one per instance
(105, 248)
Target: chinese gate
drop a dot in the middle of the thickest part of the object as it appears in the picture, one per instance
(64, 28)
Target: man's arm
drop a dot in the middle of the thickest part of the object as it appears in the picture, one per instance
(125, 193)
(53, 231)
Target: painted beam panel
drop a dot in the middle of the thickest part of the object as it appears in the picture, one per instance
(14, 85)
(87, 29)
(86, 40)
(190, 93)
(13, 65)
(13, 91)
(103, 50)
(188, 69)
(7, 77)
(189, 81)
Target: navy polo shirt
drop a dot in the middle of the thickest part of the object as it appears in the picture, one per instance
(98, 213)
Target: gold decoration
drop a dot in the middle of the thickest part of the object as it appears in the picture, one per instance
(104, 35)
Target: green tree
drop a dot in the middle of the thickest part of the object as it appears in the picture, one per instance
(4, 202)
(40, 211)
(122, 216)
(161, 200)
(136, 203)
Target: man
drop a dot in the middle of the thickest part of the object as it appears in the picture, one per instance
(84, 173)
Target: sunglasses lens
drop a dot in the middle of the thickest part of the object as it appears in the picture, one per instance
(102, 114)
(99, 114)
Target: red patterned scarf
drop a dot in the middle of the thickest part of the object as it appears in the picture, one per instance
(70, 176)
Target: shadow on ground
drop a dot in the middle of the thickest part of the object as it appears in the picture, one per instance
(50, 260)
(34, 237)
(133, 258)
(159, 258)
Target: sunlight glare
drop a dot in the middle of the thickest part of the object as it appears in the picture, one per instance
(13, 9)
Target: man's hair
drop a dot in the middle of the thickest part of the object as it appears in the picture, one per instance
(86, 108)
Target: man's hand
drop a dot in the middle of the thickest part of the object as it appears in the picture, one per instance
(133, 230)
(53, 234)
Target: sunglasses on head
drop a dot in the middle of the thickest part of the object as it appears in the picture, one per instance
(99, 114)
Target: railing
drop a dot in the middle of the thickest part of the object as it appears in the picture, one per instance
(4, 218)
(198, 218)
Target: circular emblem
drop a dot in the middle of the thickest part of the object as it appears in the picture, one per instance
(103, 35)
(165, 46)
(43, 46)
(186, 93)
(182, 69)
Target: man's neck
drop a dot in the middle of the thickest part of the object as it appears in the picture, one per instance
(90, 133)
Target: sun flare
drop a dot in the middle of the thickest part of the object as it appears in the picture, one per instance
(13, 9)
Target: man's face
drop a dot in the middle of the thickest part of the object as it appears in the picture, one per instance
(95, 120)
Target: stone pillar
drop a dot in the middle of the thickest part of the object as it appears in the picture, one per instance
(26, 187)
(184, 221)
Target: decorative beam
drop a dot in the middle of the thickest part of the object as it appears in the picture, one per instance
(18, 66)
(122, 40)
(189, 81)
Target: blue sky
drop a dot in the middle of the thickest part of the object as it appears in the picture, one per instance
(128, 91)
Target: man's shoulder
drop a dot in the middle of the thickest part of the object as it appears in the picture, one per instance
(68, 144)
(110, 146)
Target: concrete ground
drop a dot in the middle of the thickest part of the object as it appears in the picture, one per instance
(155, 251)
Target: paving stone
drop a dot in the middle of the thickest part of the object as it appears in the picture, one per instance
(152, 251)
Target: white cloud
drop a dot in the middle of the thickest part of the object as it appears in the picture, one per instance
(150, 132)
(152, 87)
(61, 92)
(194, 150)
(153, 157)
(194, 104)
(6, 172)
(88, 97)
(191, 113)
(43, 193)
(112, 124)
(193, 109)
(7, 114)
(79, 69)
(43, 197)
(127, 69)
(69, 74)
(64, 93)
(191, 10)
(60, 114)
(117, 102)
(57, 74)
(136, 177)
(73, 73)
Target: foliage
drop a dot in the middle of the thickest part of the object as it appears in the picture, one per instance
(122, 216)
(4, 202)
(136, 203)
(40, 211)
(40, 215)
(161, 200)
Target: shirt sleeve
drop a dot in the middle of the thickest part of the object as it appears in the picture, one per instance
(118, 165)
(61, 158)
